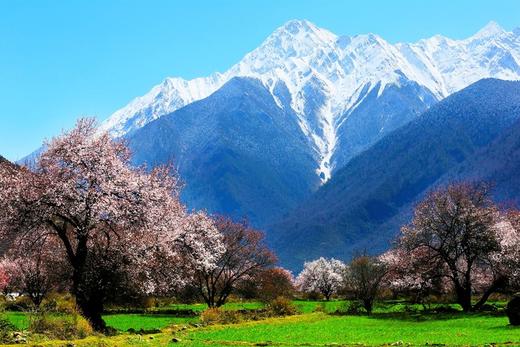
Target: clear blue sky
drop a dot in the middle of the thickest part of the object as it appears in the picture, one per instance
(60, 60)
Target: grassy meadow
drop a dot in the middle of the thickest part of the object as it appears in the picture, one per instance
(316, 325)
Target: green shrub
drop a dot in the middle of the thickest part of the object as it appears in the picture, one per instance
(60, 326)
(320, 308)
(352, 308)
(513, 311)
(411, 308)
(281, 307)
(59, 303)
(6, 330)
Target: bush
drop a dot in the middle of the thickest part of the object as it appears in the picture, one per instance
(210, 316)
(320, 308)
(63, 327)
(188, 295)
(351, 308)
(6, 329)
(445, 309)
(217, 316)
(60, 304)
(281, 307)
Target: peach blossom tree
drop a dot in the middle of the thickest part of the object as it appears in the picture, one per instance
(111, 222)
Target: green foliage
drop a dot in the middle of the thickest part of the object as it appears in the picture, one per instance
(305, 306)
(353, 308)
(320, 308)
(513, 311)
(6, 329)
(59, 303)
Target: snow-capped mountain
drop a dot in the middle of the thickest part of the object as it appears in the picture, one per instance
(324, 78)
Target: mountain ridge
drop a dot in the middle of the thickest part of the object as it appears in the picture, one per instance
(309, 60)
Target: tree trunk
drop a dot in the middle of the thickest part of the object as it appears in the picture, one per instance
(463, 298)
(496, 285)
(368, 304)
(92, 309)
(210, 298)
(88, 300)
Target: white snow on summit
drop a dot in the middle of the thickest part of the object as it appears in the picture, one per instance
(336, 68)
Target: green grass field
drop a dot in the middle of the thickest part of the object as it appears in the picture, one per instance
(389, 325)
(123, 322)
(319, 329)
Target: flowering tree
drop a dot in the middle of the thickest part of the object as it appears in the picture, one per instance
(197, 248)
(33, 272)
(4, 278)
(363, 278)
(242, 257)
(84, 195)
(323, 276)
(459, 232)
(504, 265)
(411, 273)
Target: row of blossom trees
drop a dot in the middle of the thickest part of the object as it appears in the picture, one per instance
(84, 220)
(458, 242)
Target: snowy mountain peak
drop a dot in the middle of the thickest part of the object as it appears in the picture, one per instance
(295, 39)
(491, 29)
(326, 75)
(296, 26)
